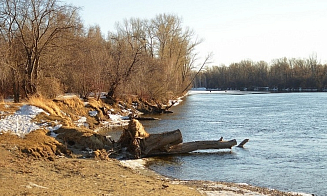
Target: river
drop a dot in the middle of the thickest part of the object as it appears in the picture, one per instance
(287, 147)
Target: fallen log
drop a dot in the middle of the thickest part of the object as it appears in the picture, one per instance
(146, 118)
(161, 142)
(187, 147)
(142, 144)
(154, 108)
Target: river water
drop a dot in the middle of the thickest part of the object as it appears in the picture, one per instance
(287, 148)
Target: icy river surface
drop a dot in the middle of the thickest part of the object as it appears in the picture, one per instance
(287, 148)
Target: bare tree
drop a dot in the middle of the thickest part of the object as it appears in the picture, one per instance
(174, 46)
(36, 24)
(125, 49)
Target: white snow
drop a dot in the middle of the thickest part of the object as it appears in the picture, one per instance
(176, 101)
(134, 163)
(82, 122)
(82, 119)
(115, 117)
(93, 113)
(21, 122)
(117, 120)
(52, 129)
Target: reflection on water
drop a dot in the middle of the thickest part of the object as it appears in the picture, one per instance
(287, 147)
(174, 164)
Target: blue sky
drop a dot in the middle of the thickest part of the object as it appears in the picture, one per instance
(233, 30)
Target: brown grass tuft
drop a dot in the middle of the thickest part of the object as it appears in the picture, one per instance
(69, 109)
(73, 102)
(46, 104)
(72, 106)
(94, 103)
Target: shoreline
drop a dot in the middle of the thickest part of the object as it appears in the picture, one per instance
(204, 187)
(209, 188)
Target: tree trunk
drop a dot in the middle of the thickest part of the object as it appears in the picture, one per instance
(15, 85)
(161, 142)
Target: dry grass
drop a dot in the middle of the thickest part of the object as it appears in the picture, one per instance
(46, 104)
(73, 102)
(72, 107)
(8, 108)
(68, 109)
(57, 113)
(95, 103)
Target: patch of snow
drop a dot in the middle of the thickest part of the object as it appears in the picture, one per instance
(53, 134)
(244, 184)
(134, 105)
(125, 111)
(176, 101)
(134, 164)
(124, 117)
(82, 119)
(103, 95)
(115, 117)
(303, 194)
(52, 129)
(30, 111)
(88, 150)
(93, 113)
(116, 120)
(21, 123)
(82, 122)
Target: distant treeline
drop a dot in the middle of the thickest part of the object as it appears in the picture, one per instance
(282, 74)
(45, 49)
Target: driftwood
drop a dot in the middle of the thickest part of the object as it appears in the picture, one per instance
(156, 108)
(140, 118)
(139, 143)
(187, 147)
(242, 143)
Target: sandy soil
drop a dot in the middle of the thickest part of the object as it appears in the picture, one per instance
(24, 175)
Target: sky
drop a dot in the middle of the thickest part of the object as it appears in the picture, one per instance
(233, 30)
